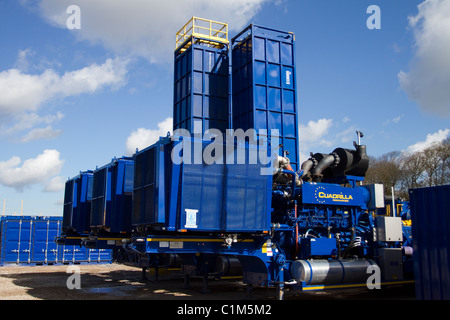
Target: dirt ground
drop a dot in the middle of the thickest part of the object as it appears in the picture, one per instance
(119, 282)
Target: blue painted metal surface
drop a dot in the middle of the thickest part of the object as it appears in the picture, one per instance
(186, 205)
(264, 85)
(201, 94)
(225, 197)
(30, 240)
(112, 196)
(151, 188)
(197, 196)
(430, 215)
(77, 202)
(332, 194)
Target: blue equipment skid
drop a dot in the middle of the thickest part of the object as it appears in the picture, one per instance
(236, 200)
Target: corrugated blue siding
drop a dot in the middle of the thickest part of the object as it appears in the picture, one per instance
(430, 215)
(26, 240)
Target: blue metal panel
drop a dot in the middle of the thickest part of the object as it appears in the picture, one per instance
(430, 217)
(224, 197)
(16, 239)
(44, 249)
(201, 94)
(77, 202)
(112, 197)
(196, 196)
(331, 194)
(264, 85)
(152, 172)
(317, 247)
(30, 240)
(72, 254)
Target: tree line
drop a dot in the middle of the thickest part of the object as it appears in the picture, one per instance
(404, 171)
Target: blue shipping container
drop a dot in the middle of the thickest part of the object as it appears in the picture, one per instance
(264, 85)
(26, 240)
(430, 220)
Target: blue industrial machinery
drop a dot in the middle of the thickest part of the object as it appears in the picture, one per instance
(224, 204)
(264, 85)
(77, 203)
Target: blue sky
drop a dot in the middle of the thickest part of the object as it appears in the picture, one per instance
(71, 100)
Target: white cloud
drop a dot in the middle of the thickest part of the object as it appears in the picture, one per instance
(430, 139)
(428, 80)
(143, 138)
(312, 135)
(393, 120)
(22, 62)
(23, 94)
(55, 184)
(142, 27)
(314, 130)
(18, 175)
(29, 120)
(41, 133)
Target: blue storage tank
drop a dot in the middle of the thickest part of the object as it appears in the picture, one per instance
(112, 193)
(77, 203)
(264, 85)
(430, 221)
(201, 82)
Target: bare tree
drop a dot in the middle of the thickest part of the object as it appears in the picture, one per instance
(386, 170)
(412, 171)
(403, 171)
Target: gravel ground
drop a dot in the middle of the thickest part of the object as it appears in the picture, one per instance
(119, 282)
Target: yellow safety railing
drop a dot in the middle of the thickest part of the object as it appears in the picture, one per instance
(212, 33)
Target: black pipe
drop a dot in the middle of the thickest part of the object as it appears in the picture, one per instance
(323, 164)
(306, 167)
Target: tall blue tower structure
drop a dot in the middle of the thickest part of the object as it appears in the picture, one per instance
(264, 85)
(201, 76)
